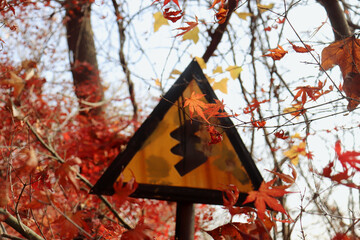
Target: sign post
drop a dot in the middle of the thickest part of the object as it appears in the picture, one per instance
(185, 221)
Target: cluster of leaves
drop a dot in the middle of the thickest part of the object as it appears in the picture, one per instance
(50, 158)
(259, 220)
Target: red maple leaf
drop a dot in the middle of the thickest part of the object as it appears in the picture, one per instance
(196, 105)
(215, 135)
(299, 49)
(347, 158)
(167, 2)
(191, 25)
(307, 91)
(265, 197)
(124, 190)
(172, 15)
(281, 134)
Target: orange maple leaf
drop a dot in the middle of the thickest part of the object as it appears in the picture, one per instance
(346, 54)
(277, 53)
(124, 190)
(191, 25)
(265, 197)
(299, 49)
(221, 15)
(196, 105)
(216, 2)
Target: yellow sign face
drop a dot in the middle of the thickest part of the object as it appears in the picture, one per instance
(178, 153)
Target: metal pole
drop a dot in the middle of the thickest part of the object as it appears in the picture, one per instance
(185, 219)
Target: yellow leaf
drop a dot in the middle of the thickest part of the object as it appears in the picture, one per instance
(192, 35)
(174, 72)
(218, 69)
(296, 135)
(234, 71)
(243, 15)
(159, 21)
(210, 79)
(157, 82)
(295, 151)
(221, 85)
(201, 62)
(264, 8)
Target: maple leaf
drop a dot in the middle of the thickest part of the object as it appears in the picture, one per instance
(299, 49)
(140, 232)
(295, 151)
(221, 85)
(265, 196)
(124, 190)
(289, 179)
(67, 173)
(346, 54)
(16, 82)
(281, 134)
(216, 2)
(191, 25)
(296, 110)
(234, 71)
(159, 21)
(173, 16)
(244, 15)
(258, 123)
(215, 135)
(166, 2)
(221, 15)
(347, 158)
(276, 54)
(196, 105)
(192, 35)
(307, 91)
(255, 104)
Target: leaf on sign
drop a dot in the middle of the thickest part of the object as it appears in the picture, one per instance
(266, 196)
(196, 105)
(346, 54)
(192, 35)
(124, 190)
(234, 71)
(221, 85)
(244, 15)
(299, 49)
(263, 8)
(276, 54)
(159, 21)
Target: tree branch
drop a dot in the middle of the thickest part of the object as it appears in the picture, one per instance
(24, 230)
(219, 32)
(82, 178)
(123, 62)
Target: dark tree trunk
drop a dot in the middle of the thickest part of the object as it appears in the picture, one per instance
(82, 54)
(337, 18)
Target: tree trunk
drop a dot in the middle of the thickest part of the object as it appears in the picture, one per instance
(83, 62)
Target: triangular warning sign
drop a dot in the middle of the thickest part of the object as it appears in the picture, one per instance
(170, 155)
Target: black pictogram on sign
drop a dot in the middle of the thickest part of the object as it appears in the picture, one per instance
(188, 147)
